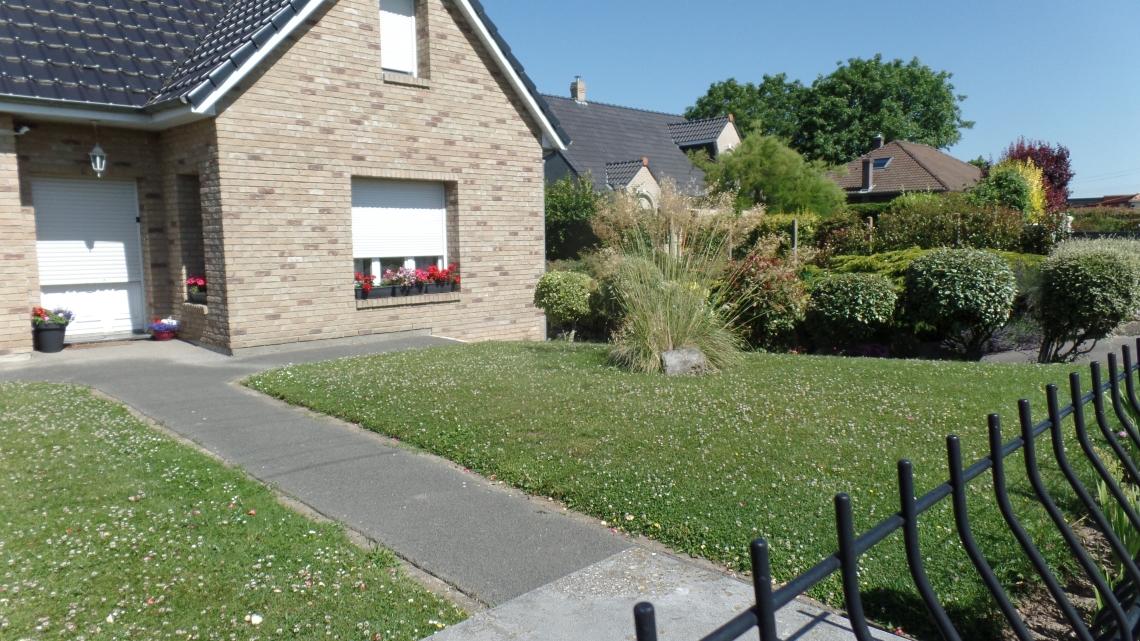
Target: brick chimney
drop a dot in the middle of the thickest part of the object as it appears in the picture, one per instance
(578, 90)
(868, 174)
(645, 161)
(877, 142)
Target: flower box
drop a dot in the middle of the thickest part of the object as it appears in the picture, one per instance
(196, 297)
(383, 291)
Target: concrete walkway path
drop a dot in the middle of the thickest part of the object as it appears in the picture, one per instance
(557, 575)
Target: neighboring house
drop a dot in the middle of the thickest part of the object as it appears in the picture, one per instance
(1127, 201)
(275, 146)
(890, 170)
(624, 148)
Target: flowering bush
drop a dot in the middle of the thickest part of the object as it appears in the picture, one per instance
(767, 299)
(363, 282)
(196, 283)
(163, 325)
(58, 316)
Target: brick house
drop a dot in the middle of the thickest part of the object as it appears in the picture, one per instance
(892, 169)
(275, 146)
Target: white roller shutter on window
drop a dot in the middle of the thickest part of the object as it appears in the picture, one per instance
(398, 219)
(398, 36)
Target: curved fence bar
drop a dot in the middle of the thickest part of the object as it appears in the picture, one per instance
(914, 554)
(966, 535)
(1117, 621)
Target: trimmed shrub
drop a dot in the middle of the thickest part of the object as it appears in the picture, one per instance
(847, 309)
(964, 295)
(928, 221)
(894, 264)
(766, 299)
(1105, 219)
(1088, 288)
(845, 233)
(565, 297)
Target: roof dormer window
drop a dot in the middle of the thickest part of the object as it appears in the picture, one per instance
(398, 39)
(881, 163)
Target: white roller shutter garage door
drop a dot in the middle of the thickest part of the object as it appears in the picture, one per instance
(398, 219)
(90, 254)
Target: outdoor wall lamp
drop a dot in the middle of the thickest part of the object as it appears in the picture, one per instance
(97, 155)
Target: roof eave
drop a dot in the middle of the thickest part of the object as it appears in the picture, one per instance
(245, 59)
(150, 118)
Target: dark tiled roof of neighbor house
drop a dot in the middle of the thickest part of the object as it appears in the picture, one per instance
(698, 131)
(619, 174)
(605, 134)
(913, 167)
(134, 53)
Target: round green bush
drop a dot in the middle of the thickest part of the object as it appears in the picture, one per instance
(1087, 289)
(964, 295)
(846, 309)
(564, 296)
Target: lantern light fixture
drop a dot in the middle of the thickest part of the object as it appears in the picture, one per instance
(97, 155)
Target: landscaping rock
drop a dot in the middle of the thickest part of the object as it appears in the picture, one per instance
(684, 362)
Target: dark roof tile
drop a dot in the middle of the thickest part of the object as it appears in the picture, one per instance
(606, 134)
(698, 131)
(620, 174)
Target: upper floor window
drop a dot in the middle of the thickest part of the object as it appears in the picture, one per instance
(398, 38)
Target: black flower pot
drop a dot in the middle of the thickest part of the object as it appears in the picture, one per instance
(381, 292)
(48, 337)
(198, 297)
(439, 288)
(454, 287)
(361, 294)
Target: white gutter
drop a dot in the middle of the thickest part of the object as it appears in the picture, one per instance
(207, 105)
(512, 76)
(79, 112)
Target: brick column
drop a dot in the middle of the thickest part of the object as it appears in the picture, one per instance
(19, 275)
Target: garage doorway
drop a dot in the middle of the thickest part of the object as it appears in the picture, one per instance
(89, 248)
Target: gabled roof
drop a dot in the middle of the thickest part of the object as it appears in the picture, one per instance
(698, 131)
(914, 167)
(142, 53)
(620, 174)
(607, 134)
(113, 52)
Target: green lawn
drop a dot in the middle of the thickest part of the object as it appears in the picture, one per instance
(705, 465)
(112, 530)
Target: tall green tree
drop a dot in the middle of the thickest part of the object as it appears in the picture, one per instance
(763, 170)
(835, 118)
(769, 107)
(570, 205)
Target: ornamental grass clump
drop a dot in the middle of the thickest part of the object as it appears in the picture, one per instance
(668, 303)
(962, 295)
(847, 309)
(1088, 288)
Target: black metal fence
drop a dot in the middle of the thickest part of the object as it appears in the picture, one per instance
(1119, 620)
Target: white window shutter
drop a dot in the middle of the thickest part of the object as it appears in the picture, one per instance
(398, 219)
(398, 36)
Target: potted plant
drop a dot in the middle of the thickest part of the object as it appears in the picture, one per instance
(163, 329)
(404, 281)
(49, 328)
(384, 290)
(196, 289)
(363, 285)
(422, 281)
(439, 280)
(453, 272)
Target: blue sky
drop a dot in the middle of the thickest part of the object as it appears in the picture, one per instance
(1064, 72)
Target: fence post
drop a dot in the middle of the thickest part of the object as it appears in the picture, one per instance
(645, 622)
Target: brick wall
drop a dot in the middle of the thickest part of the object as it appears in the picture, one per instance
(19, 286)
(60, 151)
(191, 188)
(321, 112)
